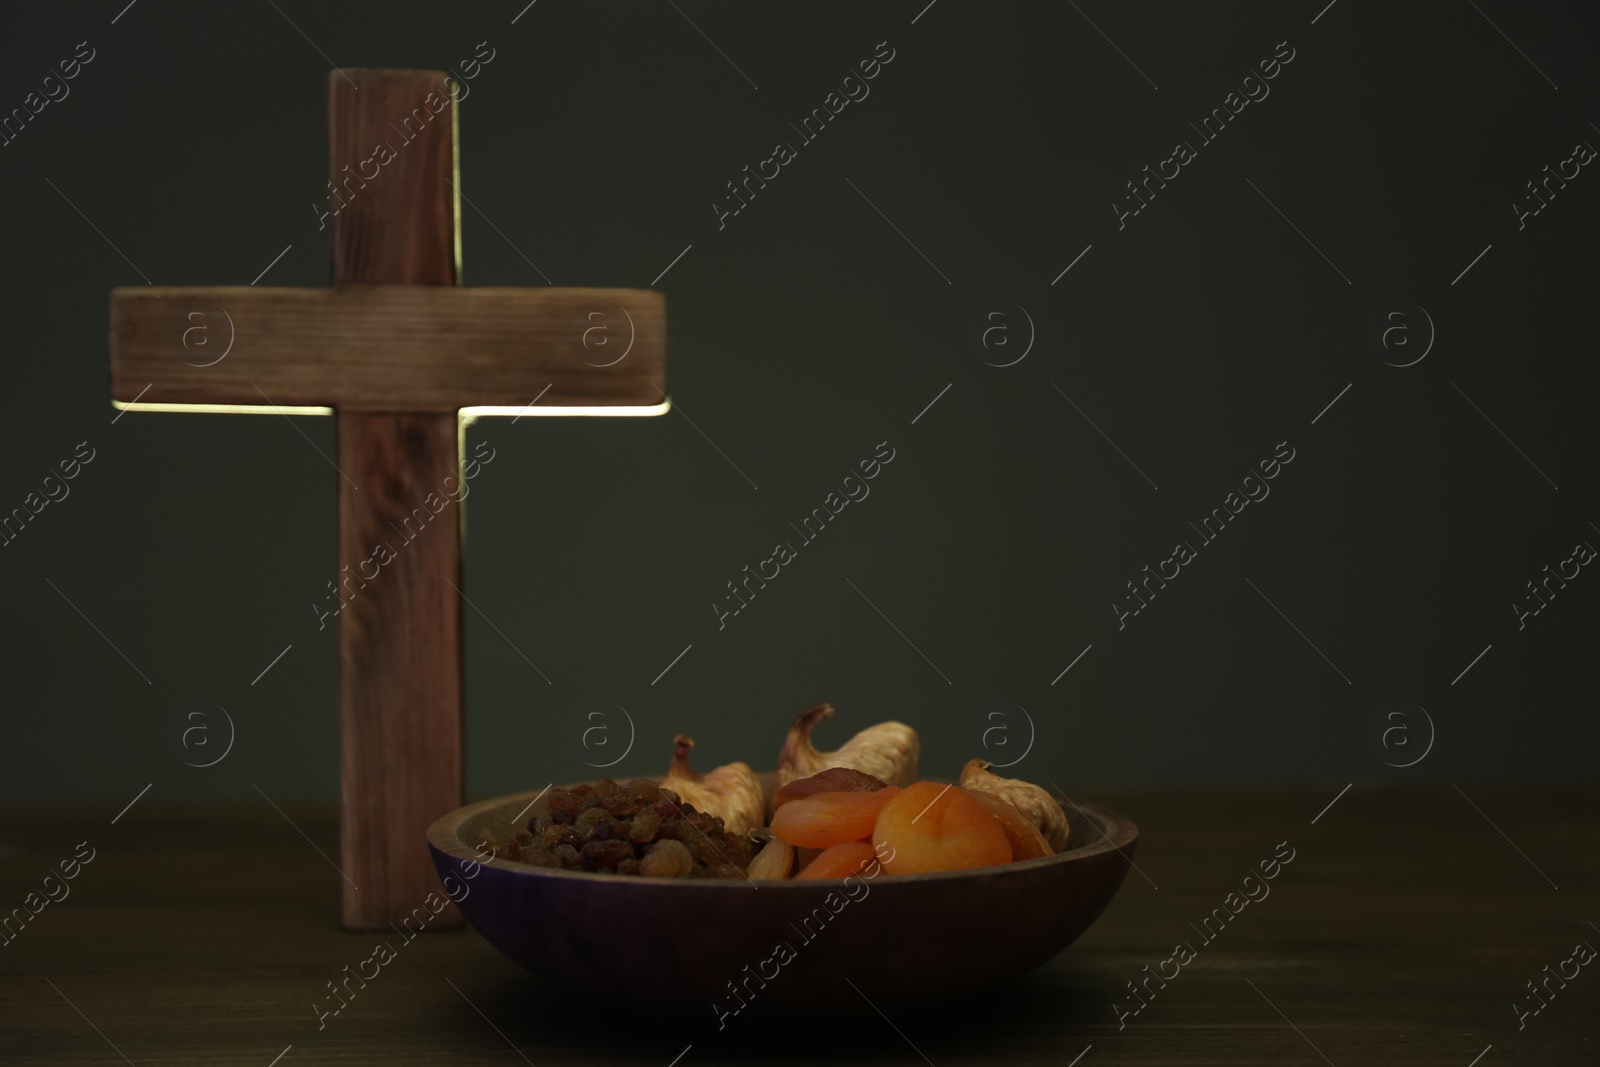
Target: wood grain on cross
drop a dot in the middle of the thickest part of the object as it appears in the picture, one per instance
(396, 349)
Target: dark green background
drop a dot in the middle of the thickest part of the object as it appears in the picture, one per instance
(806, 332)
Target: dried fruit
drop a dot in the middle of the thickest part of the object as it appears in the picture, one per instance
(666, 859)
(887, 751)
(625, 803)
(645, 824)
(731, 792)
(1035, 802)
(565, 804)
(775, 860)
(556, 834)
(839, 861)
(589, 819)
(832, 780)
(823, 820)
(932, 827)
(582, 831)
(1027, 843)
(606, 854)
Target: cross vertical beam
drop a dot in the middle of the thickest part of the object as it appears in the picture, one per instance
(392, 163)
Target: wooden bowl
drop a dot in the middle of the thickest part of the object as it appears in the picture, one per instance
(713, 951)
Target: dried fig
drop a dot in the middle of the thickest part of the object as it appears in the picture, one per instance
(887, 751)
(731, 792)
(1034, 802)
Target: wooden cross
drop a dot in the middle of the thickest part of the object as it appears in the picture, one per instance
(395, 349)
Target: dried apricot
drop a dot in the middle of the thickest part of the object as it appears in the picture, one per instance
(1027, 843)
(932, 827)
(826, 819)
(839, 861)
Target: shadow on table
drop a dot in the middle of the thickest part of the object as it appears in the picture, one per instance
(1056, 1005)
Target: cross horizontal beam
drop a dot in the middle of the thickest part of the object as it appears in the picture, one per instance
(388, 348)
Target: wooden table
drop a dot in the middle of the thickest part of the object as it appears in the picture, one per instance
(1402, 933)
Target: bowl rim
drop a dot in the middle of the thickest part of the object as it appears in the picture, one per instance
(1119, 833)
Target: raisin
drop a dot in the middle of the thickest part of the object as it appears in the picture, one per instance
(633, 828)
(739, 851)
(606, 855)
(645, 825)
(624, 803)
(559, 834)
(665, 808)
(646, 788)
(667, 859)
(706, 851)
(564, 805)
(710, 825)
(588, 817)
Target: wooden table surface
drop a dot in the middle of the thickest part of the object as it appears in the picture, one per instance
(1404, 931)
